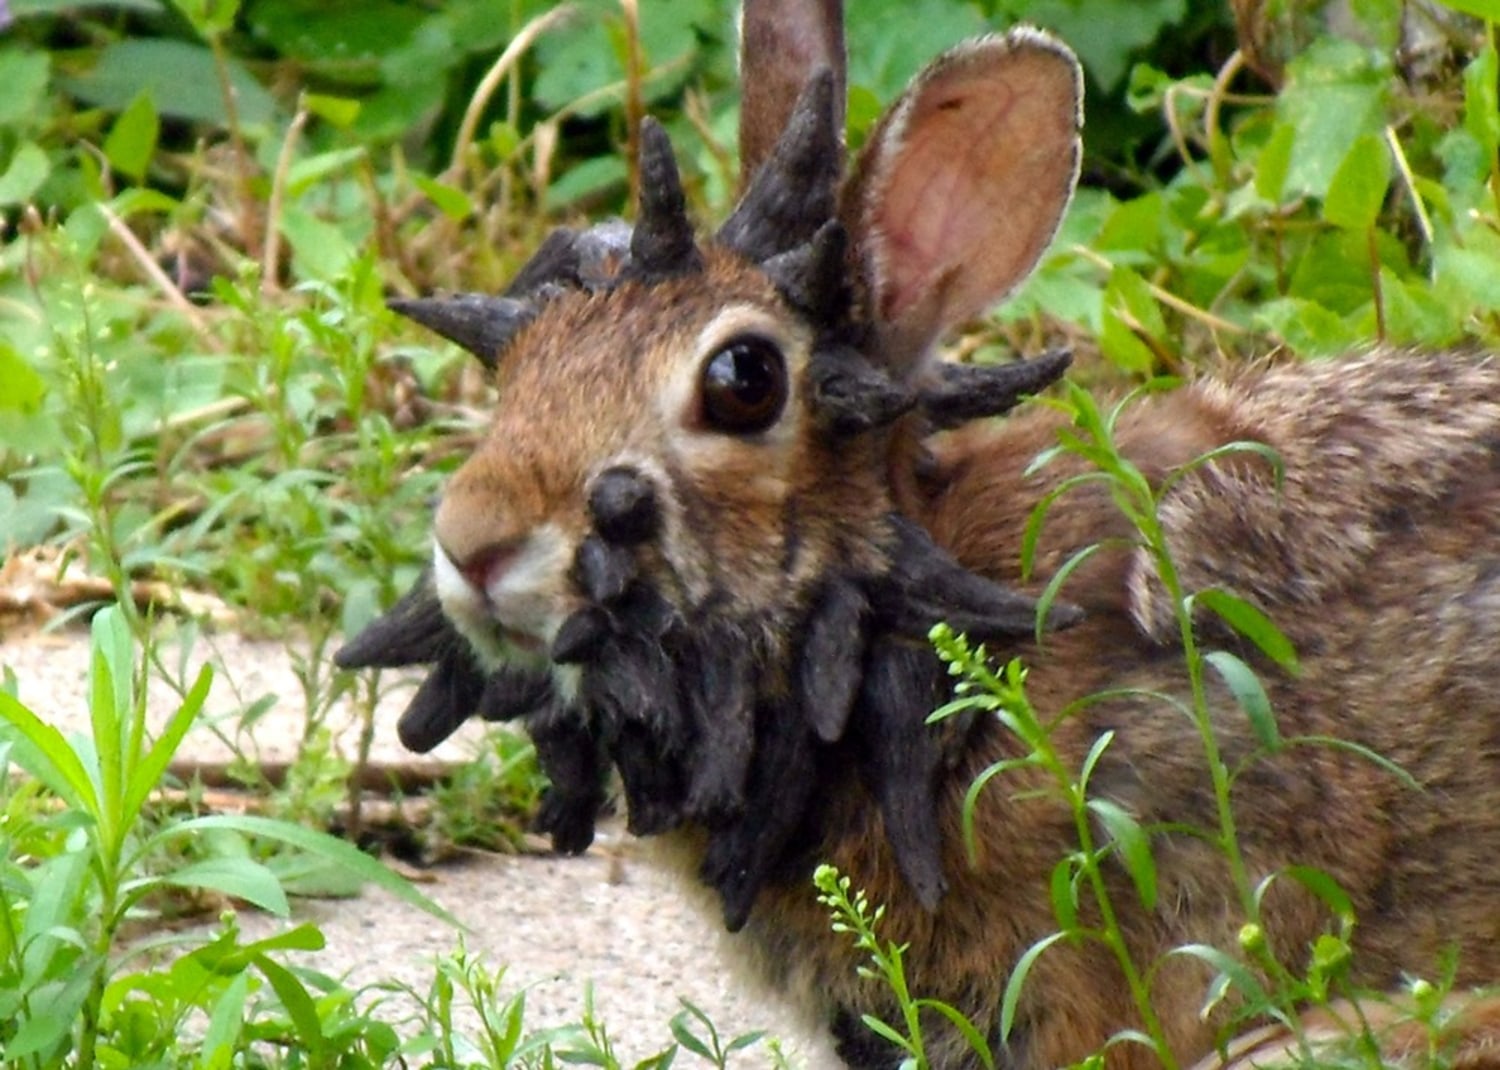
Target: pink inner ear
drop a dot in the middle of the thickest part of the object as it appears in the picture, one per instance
(973, 194)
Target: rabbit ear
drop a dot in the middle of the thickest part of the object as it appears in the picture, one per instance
(782, 44)
(963, 184)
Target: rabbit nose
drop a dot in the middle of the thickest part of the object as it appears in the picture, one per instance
(483, 567)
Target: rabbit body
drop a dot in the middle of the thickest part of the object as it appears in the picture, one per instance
(716, 513)
(1376, 555)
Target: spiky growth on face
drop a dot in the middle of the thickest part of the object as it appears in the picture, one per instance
(728, 601)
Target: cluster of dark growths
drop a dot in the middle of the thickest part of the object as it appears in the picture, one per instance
(680, 703)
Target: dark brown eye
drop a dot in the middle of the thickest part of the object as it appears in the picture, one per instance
(744, 385)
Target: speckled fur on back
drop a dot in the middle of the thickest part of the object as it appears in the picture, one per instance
(1378, 555)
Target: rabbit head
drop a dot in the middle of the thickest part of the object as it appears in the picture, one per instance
(683, 515)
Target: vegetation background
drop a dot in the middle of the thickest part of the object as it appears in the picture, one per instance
(204, 203)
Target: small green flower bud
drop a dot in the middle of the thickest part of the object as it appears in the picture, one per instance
(1252, 938)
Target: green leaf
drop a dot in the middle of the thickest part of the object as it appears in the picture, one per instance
(1017, 979)
(1131, 316)
(1132, 845)
(745, 1040)
(1335, 92)
(685, 1036)
(971, 801)
(132, 139)
(881, 1029)
(1106, 36)
(319, 34)
(1326, 888)
(52, 1020)
(1471, 277)
(312, 877)
(1274, 161)
(211, 18)
(1308, 327)
(304, 937)
(24, 175)
(1249, 695)
(1054, 587)
(1063, 893)
(299, 1004)
(340, 111)
(1103, 743)
(450, 200)
(23, 8)
(1489, 10)
(1248, 621)
(1238, 974)
(24, 76)
(1038, 517)
(242, 878)
(1357, 189)
(1134, 229)
(1121, 345)
(1379, 22)
(138, 200)
(110, 707)
(972, 1036)
(182, 78)
(225, 1025)
(57, 887)
(321, 250)
(47, 756)
(317, 843)
(1375, 758)
(21, 388)
(1482, 99)
(1415, 314)
(1238, 448)
(584, 54)
(586, 179)
(306, 173)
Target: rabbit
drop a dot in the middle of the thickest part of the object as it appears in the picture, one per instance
(728, 488)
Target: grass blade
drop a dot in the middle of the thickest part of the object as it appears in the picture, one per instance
(321, 844)
(147, 775)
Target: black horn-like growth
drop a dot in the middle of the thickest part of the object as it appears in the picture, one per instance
(481, 324)
(814, 276)
(959, 393)
(663, 243)
(796, 190)
(925, 586)
(414, 631)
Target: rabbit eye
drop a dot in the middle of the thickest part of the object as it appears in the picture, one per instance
(744, 385)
